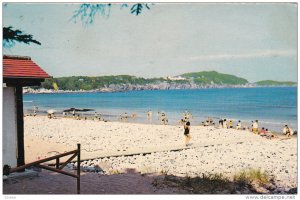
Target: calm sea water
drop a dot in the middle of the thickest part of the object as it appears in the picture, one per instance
(273, 107)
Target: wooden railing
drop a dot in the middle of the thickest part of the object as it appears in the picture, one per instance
(58, 166)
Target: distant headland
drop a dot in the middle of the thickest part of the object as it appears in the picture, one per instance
(121, 83)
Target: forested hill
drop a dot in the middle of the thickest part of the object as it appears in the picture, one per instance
(213, 77)
(196, 80)
(92, 83)
(275, 83)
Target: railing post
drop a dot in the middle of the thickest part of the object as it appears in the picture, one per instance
(57, 163)
(78, 168)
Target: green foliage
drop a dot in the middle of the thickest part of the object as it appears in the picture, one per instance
(137, 8)
(217, 183)
(205, 184)
(10, 37)
(275, 83)
(213, 77)
(48, 84)
(252, 175)
(92, 83)
(87, 11)
(199, 78)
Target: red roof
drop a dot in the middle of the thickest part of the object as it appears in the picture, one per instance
(22, 67)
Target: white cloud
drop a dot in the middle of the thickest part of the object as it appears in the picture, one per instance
(266, 53)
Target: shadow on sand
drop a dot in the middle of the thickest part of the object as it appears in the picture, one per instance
(129, 182)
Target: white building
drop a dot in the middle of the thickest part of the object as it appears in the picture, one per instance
(175, 78)
(18, 72)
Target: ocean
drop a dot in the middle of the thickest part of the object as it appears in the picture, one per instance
(272, 106)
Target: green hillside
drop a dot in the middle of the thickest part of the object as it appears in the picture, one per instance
(90, 83)
(213, 77)
(196, 78)
(275, 83)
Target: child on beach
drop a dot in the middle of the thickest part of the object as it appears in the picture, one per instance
(187, 129)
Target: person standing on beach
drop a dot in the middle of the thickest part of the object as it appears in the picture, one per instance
(221, 123)
(35, 108)
(239, 125)
(224, 123)
(287, 131)
(158, 115)
(187, 136)
(95, 116)
(149, 116)
(163, 119)
(255, 127)
(230, 124)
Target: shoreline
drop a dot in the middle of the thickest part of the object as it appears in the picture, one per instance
(143, 119)
(106, 90)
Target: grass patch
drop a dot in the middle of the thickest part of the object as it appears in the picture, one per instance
(251, 176)
(217, 183)
(205, 184)
(114, 172)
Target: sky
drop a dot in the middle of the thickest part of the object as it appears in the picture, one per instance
(255, 41)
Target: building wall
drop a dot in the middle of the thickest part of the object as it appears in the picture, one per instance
(9, 134)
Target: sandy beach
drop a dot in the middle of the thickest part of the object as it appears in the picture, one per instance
(160, 148)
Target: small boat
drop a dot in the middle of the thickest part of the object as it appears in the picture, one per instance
(78, 110)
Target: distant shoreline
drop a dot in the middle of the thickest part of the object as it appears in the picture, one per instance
(108, 90)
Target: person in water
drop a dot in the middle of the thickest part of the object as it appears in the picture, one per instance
(187, 135)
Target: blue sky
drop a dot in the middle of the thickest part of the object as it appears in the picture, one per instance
(253, 41)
